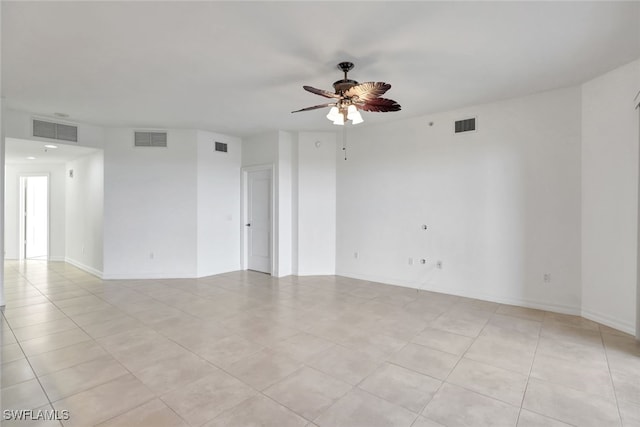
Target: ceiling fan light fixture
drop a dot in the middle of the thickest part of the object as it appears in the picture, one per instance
(356, 118)
(333, 114)
(339, 120)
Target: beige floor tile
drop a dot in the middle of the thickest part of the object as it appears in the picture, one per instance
(627, 385)
(24, 395)
(15, 372)
(630, 414)
(361, 409)
(531, 419)
(401, 386)
(521, 312)
(569, 320)
(569, 405)
(443, 341)
(56, 360)
(522, 327)
(175, 372)
(571, 351)
(428, 361)
(10, 352)
(103, 402)
(425, 422)
(456, 407)
(35, 318)
(43, 329)
(81, 377)
(112, 327)
(264, 368)
(344, 364)
(590, 377)
(574, 334)
(205, 399)
(152, 414)
(258, 411)
(11, 312)
(467, 323)
(302, 346)
(501, 384)
(308, 392)
(228, 350)
(147, 353)
(54, 342)
(503, 353)
(374, 344)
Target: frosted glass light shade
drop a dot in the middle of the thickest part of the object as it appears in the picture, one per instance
(351, 111)
(333, 113)
(339, 120)
(356, 118)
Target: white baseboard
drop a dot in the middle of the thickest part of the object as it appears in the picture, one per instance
(84, 267)
(610, 321)
(539, 305)
(142, 276)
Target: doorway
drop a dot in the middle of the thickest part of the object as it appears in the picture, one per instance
(34, 217)
(258, 216)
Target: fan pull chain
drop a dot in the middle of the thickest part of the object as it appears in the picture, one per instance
(344, 142)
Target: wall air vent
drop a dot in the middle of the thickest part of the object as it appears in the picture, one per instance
(150, 139)
(221, 146)
(465, 125)
(52, 130)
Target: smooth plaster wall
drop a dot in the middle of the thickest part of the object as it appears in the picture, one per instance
(502, 204)
(56, 173)
(610, 197)
(150, 205)
(316, 203)
(84, 213)
(218, 200)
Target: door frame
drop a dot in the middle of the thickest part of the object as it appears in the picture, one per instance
(244, 209)
(22, 256)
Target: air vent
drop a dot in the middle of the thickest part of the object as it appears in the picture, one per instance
(221, 146)
(52, 130)
(150, 139)
(466, 125)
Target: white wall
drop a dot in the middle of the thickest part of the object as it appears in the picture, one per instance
(316, 203)
(56, 173)
(218, 199)
(150, 205)
(502, 204)
(84, 212)
(610, 197)
(286, 141)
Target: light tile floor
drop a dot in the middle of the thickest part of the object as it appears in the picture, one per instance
(244, 349)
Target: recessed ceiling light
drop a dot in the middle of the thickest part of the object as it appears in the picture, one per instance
(63, 115)
(50, 146)
(31, 158)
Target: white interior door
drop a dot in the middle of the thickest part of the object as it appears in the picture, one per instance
(259, 220)
(35, 233)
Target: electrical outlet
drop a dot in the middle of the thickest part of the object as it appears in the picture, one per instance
(547, 277)
(410, 261)
(439, 265)
(423, 261)
(424, 226)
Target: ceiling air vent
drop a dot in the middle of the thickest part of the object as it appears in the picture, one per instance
(465, 125)
(150, 139)
(52, 130)
(221, 146)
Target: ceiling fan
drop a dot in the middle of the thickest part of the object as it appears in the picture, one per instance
(351, 96)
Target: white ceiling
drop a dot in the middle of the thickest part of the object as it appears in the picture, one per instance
(239, 67)
(17, 151)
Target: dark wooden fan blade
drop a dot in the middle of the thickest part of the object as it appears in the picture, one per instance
(367, 91)
(321, 92)
(315, 107)
(381, 105)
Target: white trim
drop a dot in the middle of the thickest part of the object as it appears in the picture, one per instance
(539, 305)
(606, 320)
(147, 276)
(84, 267)
(244, 216)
